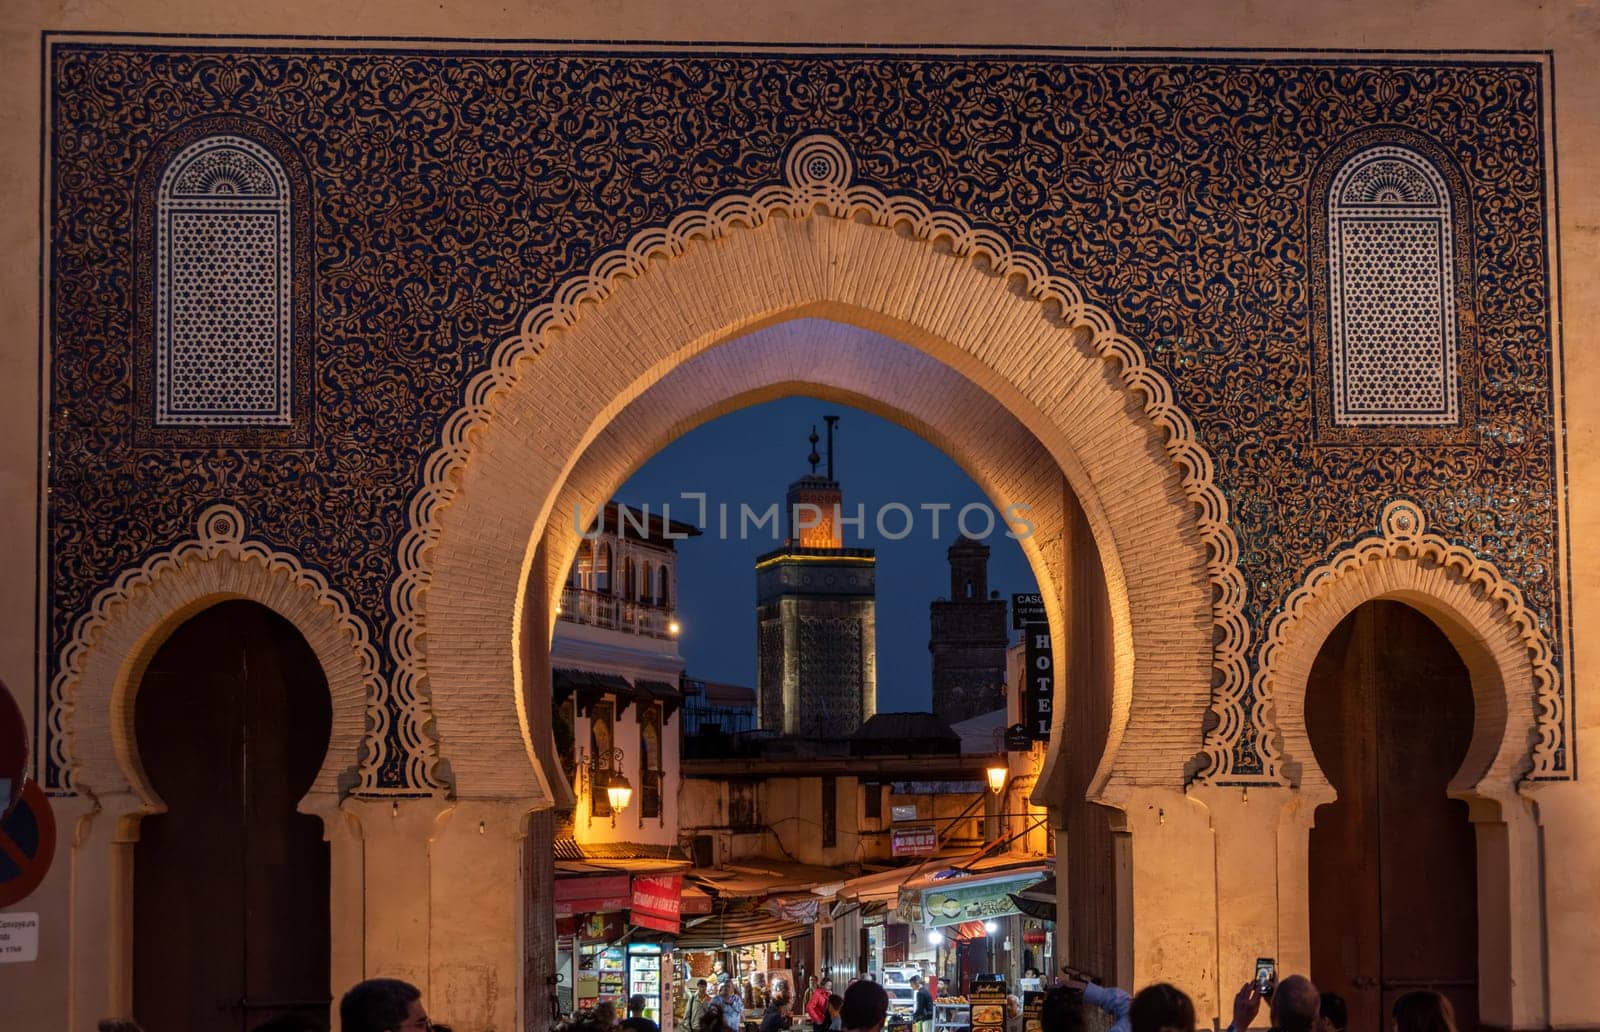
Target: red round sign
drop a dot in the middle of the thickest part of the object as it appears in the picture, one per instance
(27, 827)
(27, 843)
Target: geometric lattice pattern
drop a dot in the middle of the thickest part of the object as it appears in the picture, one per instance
(1391, 268)
(223, 288)
(831, 672)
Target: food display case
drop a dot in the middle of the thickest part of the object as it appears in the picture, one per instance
(950, 1013)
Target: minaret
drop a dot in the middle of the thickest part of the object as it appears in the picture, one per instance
(816, 615)
(968, 639)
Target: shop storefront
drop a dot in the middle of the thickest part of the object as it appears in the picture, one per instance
(615, 938)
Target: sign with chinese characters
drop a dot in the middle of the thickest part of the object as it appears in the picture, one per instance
(1039, 682)
(943, 906)
(917, 840)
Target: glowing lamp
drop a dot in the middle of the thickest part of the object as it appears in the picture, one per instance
(997, 779)
(935, 937)
(618, 793)
(673, 628)
(989, 928)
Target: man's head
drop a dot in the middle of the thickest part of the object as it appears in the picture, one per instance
(1335, 1015)
(636, 1004)
(916, 981)
(605, 1013)
(383, 1005)
(1161, 1008)
(865, 1006)
(1061, 1010)
(700, 986)
(726, 990)
(1295, 1005)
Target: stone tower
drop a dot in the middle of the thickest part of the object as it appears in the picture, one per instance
(816, 617)
(968, 639)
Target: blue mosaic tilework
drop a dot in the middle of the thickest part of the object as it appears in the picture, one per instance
(447, 193)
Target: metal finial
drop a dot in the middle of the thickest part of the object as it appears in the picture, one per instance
(814, 458)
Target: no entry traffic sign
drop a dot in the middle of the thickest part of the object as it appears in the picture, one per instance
(27, 828)
(27, 843)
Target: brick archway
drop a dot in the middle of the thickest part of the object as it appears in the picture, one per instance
(1024, 339)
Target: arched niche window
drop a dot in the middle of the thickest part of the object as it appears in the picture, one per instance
(664, 589)
(224, 326)
(224, 288)
(1393, 299)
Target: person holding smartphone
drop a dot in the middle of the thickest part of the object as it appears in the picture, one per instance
(1294, 1005)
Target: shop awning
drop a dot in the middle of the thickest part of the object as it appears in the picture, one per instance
(641, 857)
(753, 878)
(887, 886)
(726, 930)
(1038, 900)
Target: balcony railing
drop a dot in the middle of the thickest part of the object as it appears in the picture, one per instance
(600, 609)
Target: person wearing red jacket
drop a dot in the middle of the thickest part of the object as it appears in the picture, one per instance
(817, 1005)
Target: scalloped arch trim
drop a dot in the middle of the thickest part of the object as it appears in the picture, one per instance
(819, 173)
(1403, 536)
(219, 562)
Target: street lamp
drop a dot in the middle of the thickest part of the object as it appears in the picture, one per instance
(604, 770)
(997, 778)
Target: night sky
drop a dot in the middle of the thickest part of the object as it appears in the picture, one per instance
(751, 456)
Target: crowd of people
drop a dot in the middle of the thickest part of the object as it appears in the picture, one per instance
(1294, 1005)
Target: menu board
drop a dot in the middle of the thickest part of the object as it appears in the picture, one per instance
(1032, 1004)
(987, 1012)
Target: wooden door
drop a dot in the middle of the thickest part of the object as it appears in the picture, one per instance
(231, 884)
(1393, 873)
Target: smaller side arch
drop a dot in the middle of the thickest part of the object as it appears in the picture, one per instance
(92, 696)
(1517, 707)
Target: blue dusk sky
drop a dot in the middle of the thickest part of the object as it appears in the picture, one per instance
(750, 456)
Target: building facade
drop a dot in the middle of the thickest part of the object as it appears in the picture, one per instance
(1266, 336)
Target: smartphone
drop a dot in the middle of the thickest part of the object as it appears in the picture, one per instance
(1266, 976)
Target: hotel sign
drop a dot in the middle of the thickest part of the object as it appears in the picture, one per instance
(1039, 682)
(1026, 609)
